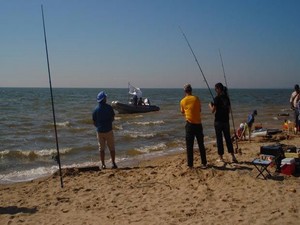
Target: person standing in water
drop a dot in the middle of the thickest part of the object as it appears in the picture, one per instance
(221, 108)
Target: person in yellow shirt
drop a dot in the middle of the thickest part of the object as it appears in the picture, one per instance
(190, 107)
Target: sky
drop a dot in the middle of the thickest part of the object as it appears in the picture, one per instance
(101, 43)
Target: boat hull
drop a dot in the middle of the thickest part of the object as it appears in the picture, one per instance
(128, 108)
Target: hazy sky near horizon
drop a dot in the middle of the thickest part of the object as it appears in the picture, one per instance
(100, 43)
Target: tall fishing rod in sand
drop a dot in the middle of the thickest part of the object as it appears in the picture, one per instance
(196, 61)
(57, 157)
(236, 139)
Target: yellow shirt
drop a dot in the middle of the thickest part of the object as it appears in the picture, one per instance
(191, 107)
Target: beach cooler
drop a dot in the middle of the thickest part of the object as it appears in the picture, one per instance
(288, 166)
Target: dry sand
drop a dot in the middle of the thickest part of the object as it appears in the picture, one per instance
(159, 191)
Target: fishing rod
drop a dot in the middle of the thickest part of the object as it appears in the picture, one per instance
(236, 141)
(57, 157)
(196, 61)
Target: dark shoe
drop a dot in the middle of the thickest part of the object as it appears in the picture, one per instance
(114, 166)
(234, 160)
(103, 167)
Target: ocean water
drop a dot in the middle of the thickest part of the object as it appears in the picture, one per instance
(28, 140)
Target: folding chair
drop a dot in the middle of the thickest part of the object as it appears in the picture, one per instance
(262, 166)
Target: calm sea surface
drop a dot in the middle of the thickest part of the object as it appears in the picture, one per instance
(27, 134)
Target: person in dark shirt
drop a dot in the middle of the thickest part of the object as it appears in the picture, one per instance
(221, 108)
(103, 116)
(140, 102)
(135, 99)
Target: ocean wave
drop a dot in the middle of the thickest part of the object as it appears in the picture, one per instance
(27, 175)
(138, 116)
(136, 134)
(59, 124)
(33, 154)
(118, 127)
(85, 121)
(79, 129)
(152, 148)
(149, 123)
(64, 124)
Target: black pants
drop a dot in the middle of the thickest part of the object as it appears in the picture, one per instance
(192, 131)
(223, 128)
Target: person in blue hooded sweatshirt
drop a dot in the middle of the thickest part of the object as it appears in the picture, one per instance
(250, 121)
(103, 116)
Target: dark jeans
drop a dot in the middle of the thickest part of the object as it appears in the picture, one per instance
(223, 128)
(192, 131)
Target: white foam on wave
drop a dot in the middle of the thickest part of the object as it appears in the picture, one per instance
(41, 153)
(138, 116)
(32, 174)
(27, 175)
(118, 127)
(64, 124)
(149, 123)
(3, 153)
(140, 134)
(150, 148)
(49, 152)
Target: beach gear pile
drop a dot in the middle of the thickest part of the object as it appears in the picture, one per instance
(286, 158)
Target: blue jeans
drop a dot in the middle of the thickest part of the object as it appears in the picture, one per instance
(223, 128)
(192, 131)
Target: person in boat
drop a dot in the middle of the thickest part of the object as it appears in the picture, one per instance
(135, 99)
(294, 99)
(103, 116)
(221, 108)
(190, 107)
(147, 101)
(140, 102)
(249, 123)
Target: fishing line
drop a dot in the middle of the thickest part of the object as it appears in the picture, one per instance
(196, 61)
(57, 157)
(236, 140)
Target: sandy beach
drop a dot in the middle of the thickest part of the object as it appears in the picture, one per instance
(160, 191)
